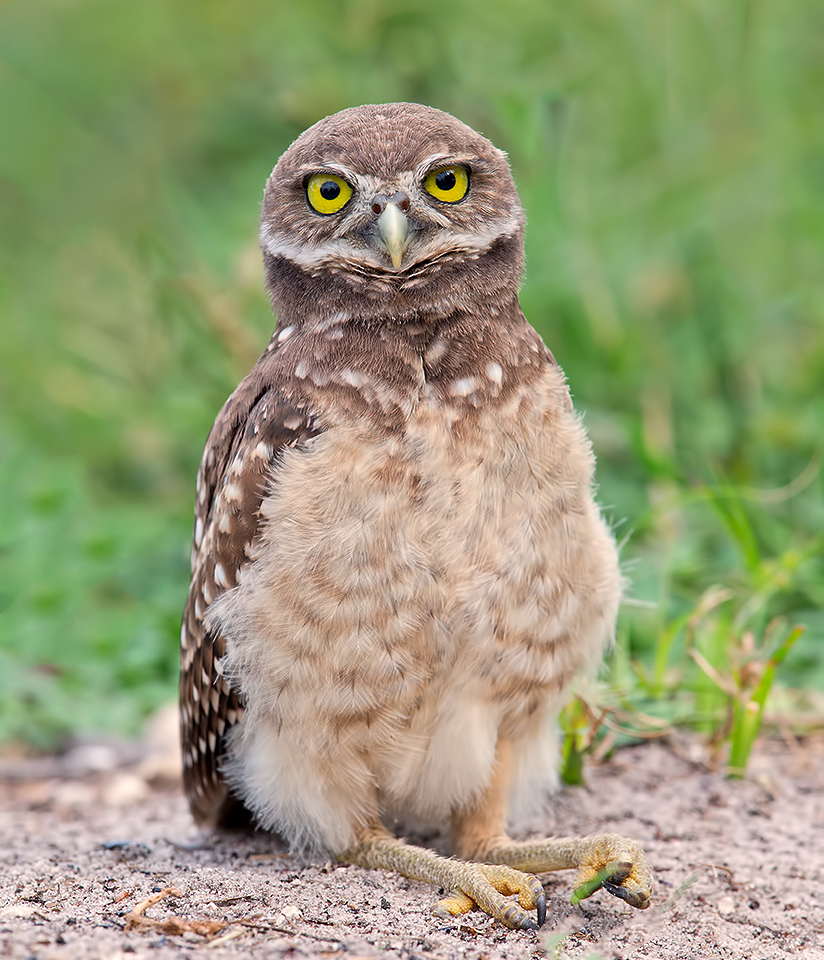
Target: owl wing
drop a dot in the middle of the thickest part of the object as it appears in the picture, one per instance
(238, 468)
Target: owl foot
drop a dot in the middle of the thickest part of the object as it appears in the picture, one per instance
(486, 886)
(615, 863)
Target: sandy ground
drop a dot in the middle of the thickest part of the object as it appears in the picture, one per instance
(85, 840)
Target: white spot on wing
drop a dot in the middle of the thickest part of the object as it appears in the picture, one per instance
(463, 387)
(435, 350)
(495, 373)
(293, 421)
(332, 321)
(263, 451)
(352, 377)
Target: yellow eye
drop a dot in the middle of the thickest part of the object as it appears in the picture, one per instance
(449, 184)
(327, 193)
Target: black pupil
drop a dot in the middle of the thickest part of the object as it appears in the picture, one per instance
(445, 180)
(330, 190)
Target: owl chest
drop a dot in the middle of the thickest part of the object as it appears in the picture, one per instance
(392, 557)
(378, 513)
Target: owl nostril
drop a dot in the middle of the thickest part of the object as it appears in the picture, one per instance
(400, 199)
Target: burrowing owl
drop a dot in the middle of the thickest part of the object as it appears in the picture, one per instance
(398, 564)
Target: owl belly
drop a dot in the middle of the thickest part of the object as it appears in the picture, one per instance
(415, 597)
(531, 590)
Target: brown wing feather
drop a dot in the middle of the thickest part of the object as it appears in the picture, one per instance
(238, 466)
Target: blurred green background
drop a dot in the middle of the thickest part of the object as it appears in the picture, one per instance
(670, 157)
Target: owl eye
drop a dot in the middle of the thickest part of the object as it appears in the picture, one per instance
(327, 193)
(449, 184)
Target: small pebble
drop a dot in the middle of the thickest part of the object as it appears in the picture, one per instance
(124, 789)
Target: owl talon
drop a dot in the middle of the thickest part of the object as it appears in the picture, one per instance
(635, 898)
(540, 907)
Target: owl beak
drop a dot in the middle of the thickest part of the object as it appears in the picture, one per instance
(394, 229)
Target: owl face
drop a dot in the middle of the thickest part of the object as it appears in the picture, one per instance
(395, 207)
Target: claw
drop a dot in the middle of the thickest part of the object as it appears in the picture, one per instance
(528, 924)
(619, 873)
(540, 906)
(634, 898)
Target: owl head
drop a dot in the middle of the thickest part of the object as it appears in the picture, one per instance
(391, 210)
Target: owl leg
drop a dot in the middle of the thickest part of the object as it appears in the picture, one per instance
(608, 860)
(486, 885)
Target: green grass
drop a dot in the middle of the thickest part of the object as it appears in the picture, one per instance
(671, 160)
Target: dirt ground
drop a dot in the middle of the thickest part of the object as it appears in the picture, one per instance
(89, 836)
